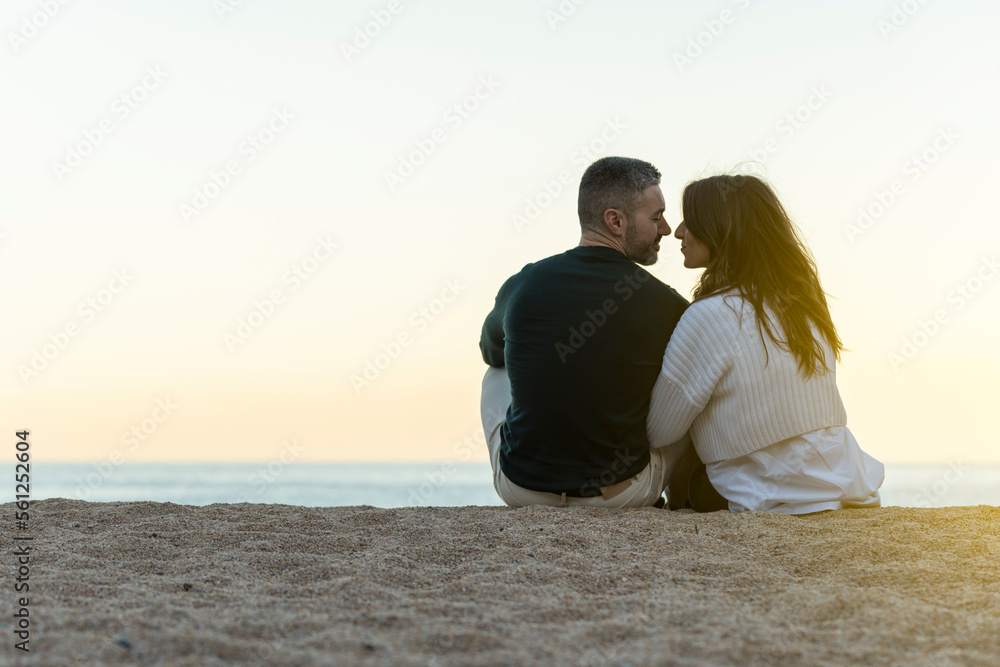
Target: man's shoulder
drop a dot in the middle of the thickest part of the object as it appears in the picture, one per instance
(551, 261)
(627, 276)
(659, 290)
(518, 277)
(543, 268)
(668, 293)
(564, 258)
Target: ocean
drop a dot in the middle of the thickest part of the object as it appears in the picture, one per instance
(402, 484)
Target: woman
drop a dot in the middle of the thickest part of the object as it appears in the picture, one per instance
(751, 367)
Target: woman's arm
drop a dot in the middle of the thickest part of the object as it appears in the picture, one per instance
(671, 413)
(697, 357)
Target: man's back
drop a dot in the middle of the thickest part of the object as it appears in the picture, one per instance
(582, 335)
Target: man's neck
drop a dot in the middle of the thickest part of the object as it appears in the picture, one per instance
(590, 240)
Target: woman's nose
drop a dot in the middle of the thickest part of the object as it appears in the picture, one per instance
(680, 231)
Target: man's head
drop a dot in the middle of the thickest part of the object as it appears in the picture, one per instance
(621, 206)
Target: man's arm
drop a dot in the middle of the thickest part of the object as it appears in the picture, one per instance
(491, 343)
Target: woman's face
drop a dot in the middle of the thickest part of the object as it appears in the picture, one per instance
(696, 255)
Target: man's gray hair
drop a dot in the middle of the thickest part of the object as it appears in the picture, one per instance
(613, 182)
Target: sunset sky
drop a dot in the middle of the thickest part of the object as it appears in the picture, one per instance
(230, 225)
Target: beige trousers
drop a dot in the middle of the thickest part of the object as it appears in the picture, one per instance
(644, 490)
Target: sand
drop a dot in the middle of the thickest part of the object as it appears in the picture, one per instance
(163, 584)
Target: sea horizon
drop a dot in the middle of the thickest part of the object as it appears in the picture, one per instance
(405, 484)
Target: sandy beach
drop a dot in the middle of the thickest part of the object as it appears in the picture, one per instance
(163, 584)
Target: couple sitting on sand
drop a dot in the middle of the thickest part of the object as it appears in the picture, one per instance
(607, 389)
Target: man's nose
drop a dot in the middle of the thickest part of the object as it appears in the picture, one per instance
(664, 228)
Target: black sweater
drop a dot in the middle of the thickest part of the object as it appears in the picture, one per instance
(582, 335)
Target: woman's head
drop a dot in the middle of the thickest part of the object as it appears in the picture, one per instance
(738, 220)
(735, 227)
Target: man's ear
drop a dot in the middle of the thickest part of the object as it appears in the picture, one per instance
(614, 222)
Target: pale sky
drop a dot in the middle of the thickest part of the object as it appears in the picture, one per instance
(215, 214)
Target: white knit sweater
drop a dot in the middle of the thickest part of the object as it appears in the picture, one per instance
(714, 382)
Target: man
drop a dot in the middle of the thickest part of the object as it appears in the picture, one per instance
(575, 343)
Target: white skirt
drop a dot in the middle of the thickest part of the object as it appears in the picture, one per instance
(816, 471)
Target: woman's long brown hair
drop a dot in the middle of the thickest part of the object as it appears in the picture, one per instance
(754, 247)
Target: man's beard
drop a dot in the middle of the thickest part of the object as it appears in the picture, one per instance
(638, 252)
